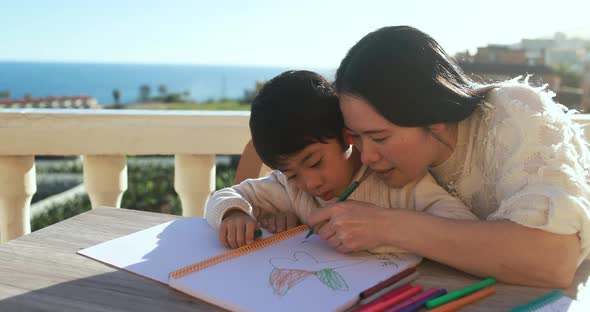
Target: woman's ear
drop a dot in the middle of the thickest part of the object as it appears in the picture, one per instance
(347, 138)
(438, 128)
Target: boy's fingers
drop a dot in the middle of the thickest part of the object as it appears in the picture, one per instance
(231, 236)
(223, 235)
(292, 221)
(240, 234)
(250, 228)
(281, 222)
(272, 224)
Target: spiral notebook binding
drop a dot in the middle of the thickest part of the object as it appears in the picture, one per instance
(232, 254)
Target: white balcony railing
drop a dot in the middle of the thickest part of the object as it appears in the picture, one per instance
(105, 138)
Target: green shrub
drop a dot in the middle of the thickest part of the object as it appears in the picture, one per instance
(150, 188)
(61, 211)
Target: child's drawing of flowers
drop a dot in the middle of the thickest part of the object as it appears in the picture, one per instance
(288, 272)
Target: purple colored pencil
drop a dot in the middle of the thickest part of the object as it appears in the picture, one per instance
(410, 301)
(419, 304)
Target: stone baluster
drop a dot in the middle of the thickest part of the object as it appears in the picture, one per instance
(194, 180)
(105, 179)
(17, 186)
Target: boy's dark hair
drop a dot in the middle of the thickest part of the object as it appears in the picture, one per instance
(291, 111)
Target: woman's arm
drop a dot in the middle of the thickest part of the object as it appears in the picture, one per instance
(503, 249)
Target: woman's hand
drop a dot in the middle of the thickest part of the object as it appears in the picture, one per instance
(279, 222)
(353, 225)
(237, 229)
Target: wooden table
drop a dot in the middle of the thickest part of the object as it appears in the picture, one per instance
(42, 272)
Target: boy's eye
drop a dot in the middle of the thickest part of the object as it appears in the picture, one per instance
(291, 177)
(316, 164)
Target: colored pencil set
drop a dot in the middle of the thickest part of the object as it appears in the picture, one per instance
(395, 294)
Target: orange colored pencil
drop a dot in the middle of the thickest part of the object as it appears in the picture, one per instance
(455, 305)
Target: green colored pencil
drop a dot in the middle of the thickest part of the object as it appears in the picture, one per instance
(459, 293)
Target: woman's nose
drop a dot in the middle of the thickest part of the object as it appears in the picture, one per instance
(369, 153)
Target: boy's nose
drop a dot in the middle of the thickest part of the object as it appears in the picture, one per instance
(312, 182)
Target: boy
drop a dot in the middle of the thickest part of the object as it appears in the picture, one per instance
(297, 130)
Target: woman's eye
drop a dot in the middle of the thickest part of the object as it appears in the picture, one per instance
(378, 140)
(291, 177)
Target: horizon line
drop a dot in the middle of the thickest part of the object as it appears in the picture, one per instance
(161, 63)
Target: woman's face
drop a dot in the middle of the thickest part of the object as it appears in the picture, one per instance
(397, 154)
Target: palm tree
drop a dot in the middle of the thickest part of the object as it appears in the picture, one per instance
(162, 90)
(116, 95)
(144, 93)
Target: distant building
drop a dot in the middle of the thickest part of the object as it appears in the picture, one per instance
(557, 50)
(498, 63)
(490, 72)
(498, 54)
(51, 102)
(586, 87)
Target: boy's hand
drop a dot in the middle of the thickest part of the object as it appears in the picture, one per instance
(279, 222)
(237, 229)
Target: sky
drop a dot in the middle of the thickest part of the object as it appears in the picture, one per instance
(262, 33)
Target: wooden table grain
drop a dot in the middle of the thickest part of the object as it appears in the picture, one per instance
(42, 272)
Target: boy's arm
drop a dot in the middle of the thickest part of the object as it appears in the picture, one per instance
(435, 200)
(255, 197)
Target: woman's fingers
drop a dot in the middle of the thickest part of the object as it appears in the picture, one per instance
(318, 216)
(334, 241)
(349, 226)
(324, 230)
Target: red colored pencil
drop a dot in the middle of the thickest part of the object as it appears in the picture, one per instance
(389, 299)
(386, 282)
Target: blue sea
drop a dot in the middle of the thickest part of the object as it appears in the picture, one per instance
(203, 82)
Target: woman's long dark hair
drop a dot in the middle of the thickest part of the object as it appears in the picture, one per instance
(408, 77)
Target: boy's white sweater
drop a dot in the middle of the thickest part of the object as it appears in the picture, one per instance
(275, 193)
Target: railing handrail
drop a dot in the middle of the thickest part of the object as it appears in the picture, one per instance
(122, 132)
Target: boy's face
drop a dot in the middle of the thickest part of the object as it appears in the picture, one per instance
(321, 169)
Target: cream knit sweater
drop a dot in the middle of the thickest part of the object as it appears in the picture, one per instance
(520, 157)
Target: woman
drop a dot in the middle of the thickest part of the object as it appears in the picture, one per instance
(507, 150)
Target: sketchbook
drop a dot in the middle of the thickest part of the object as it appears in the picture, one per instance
(282, 272)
